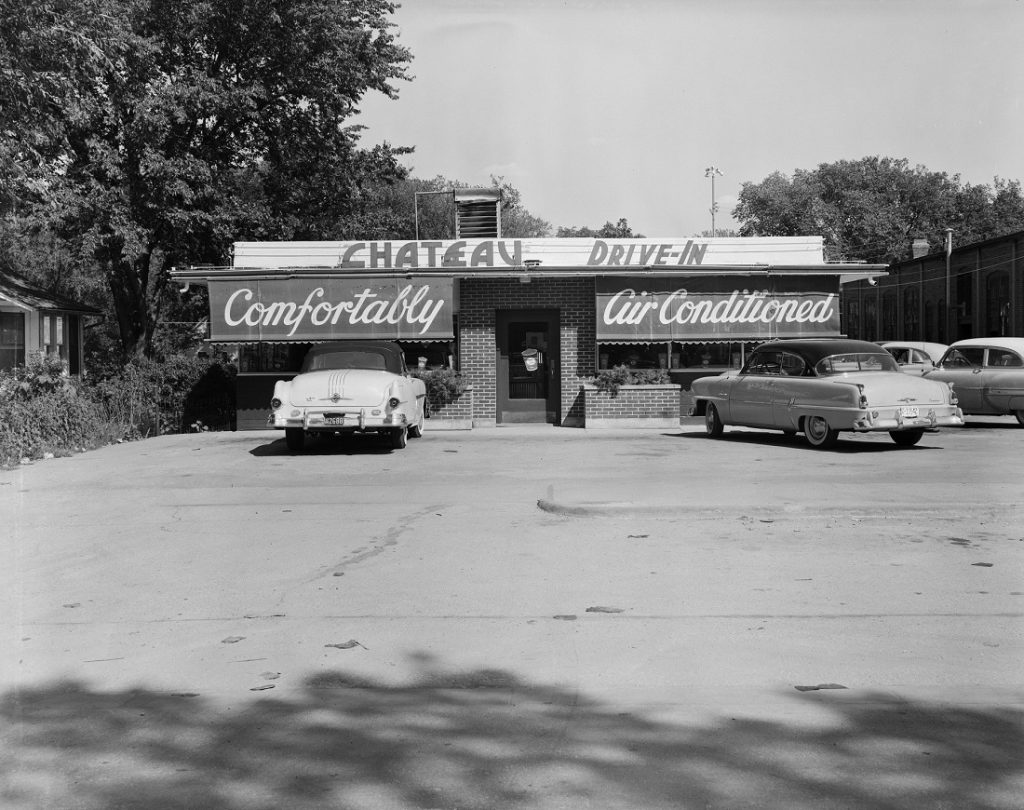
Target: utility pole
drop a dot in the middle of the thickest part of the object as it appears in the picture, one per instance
(712, 172)
(948, 326)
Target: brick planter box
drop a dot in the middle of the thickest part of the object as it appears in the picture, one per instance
(646, 406)
(457, 415)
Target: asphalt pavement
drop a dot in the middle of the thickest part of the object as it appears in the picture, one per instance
(520, 617)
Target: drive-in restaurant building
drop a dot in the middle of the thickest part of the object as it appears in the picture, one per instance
(527, 322)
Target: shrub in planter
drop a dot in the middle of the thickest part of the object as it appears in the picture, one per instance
(444, 385)
(612, 379)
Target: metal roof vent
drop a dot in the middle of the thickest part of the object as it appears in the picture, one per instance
(478, 213)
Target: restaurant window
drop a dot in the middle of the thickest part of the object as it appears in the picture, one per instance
(673, 355)
(718, 355)
(12, 340)
(634, 355)
(433, 355)
(271, 358)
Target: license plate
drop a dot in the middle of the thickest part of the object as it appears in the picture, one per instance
(334, 420)
(908, 412)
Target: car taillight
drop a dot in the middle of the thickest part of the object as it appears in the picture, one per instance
(952, 395)
(394, 402)
(275, 403)
(863, 400)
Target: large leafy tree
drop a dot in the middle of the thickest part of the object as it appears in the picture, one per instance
(610, 230)
(152, 133)
(427, 207)
(872, 209)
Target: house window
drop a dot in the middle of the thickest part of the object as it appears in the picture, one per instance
(53, 338)
(12, 340)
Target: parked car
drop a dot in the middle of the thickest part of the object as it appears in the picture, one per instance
(350, 387)
(987, 375)
(915, 356)
(823, 386)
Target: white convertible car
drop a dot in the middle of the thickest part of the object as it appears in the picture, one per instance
(823, 386)
(350, 387)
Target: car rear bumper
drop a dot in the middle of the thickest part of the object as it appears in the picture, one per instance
(889, 419)
(341, 420)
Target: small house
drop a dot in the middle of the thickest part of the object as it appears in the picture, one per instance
(32, 320)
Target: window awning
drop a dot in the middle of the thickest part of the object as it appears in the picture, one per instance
(321, 309)
(716, 308)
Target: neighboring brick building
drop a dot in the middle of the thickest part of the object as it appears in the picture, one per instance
(526, 322)
(984, 282)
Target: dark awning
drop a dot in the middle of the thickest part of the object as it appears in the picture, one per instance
(319, 309)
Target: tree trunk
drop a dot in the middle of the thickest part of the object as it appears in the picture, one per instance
(131, 304)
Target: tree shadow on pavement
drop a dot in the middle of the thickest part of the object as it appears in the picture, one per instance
(485, 739)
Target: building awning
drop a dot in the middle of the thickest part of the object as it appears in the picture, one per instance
(294, 310)
(541, 258)
(204, 275)
(716, 308)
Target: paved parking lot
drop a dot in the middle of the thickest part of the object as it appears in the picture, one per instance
(525, 617)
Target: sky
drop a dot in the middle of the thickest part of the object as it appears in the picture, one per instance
(597, 110)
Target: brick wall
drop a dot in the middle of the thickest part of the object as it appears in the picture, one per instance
(632, 406)
(480, 298)
(457, 415)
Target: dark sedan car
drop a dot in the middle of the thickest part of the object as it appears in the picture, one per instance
(823, 386)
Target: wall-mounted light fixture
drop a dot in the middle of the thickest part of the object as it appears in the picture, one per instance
(528, 264)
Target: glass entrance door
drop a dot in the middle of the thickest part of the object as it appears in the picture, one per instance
(528, 383)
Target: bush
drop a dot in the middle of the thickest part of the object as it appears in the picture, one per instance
(612, 379)
(180, 395)
(444, 385)
(43, 410)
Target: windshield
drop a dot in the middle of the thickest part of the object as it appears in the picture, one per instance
(855, 363)
(346, 360)
(964, 357)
